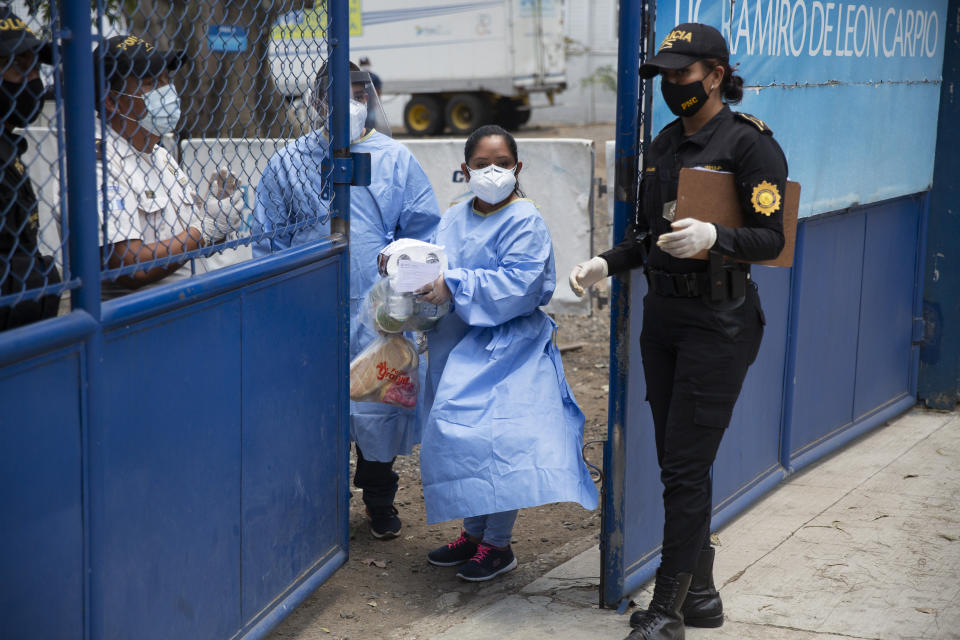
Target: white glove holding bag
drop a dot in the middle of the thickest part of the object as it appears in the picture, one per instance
(223, 184)
(586, 274)
(220, 217)
(689, 237)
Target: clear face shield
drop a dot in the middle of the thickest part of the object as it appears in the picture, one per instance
(366, 112)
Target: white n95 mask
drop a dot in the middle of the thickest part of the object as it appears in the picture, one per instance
(492, 184)
(358, 119)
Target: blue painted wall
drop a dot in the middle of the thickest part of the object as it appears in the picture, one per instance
(940, 353)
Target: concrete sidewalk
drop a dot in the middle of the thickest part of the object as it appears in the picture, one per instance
(864, 544)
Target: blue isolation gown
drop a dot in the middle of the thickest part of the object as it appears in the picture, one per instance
(399, 203)
(503, 430)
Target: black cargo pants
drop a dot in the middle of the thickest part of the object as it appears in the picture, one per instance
(695, 358)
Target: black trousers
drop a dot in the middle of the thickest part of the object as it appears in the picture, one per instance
(695, 358)
(378, 481)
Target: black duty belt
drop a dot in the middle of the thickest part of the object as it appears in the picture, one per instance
(730, 284)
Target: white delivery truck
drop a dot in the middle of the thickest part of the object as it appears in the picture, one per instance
(463, 64)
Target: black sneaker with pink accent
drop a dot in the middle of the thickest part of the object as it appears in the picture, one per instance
(454, 553)
(487, 563)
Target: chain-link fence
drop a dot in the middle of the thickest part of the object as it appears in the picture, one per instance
(202, 75)
(212, 142)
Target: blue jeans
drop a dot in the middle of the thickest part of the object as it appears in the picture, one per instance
(494, 529)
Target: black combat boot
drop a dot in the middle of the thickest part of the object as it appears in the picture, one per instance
(663, 620)
(702, 606)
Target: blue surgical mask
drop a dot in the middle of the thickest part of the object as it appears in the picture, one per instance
(163, 109)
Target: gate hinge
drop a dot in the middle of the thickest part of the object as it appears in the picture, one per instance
(353, 170)
(601, 187)
(919, 330)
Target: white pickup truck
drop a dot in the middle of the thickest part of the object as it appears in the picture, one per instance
(463, 64)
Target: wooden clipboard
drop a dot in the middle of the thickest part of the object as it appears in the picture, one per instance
(711, 196)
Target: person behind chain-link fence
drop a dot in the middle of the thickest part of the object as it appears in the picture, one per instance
(22, 266)
(292, 208)
(702, 320)
(503, 430)
(152, 212)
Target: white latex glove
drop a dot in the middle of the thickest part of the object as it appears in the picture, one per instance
(437, 292)
(586, 274)
(223, 184)
(689, 237)
(221, 216)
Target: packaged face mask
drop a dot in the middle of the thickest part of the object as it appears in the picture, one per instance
(409, 249)
(492, 184)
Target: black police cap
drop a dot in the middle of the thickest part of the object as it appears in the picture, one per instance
(133, 56)
(684, 45)
(17, 38)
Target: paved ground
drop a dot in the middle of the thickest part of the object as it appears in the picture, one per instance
(864, 544)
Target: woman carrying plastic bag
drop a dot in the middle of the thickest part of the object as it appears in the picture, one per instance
(503, 430)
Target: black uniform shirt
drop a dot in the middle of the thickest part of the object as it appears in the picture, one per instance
(18, 204)
(734, 142)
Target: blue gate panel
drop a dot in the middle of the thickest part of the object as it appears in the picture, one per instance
(41, 535)
(166, 540)
(293, 450)
(886, 319)
(643, 508)
(751, 447)
(827, 330)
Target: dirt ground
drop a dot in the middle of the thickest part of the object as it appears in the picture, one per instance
(387, 585)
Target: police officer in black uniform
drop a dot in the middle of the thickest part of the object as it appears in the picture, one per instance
(702, 320)
(22, 268)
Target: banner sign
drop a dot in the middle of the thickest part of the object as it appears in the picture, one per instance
(850, 89)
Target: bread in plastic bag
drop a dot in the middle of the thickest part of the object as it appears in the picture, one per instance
(386, 371)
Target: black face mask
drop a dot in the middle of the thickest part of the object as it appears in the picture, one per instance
(21, 102)
(683, 99)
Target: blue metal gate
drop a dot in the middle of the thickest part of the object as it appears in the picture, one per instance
(841, 345)
(174, 461)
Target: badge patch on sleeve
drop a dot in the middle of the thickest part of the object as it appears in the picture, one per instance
(766, 198)
(114, 198)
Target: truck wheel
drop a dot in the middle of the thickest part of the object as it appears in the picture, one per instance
(467, 111)
(511, 113)
(422, 116)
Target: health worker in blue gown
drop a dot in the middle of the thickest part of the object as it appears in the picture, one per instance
(293, 199)
(503, 430)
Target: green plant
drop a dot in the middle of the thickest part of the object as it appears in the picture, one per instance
(604, 76)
